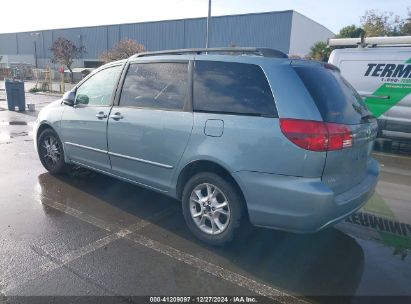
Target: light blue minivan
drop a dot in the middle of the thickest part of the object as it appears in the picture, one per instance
(234, 133)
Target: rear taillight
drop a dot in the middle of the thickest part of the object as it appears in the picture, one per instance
(316, 135)
(339, 136)
(310, 135)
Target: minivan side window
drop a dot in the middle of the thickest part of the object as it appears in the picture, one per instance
(231, 87)
(156, 85)
(98, 89)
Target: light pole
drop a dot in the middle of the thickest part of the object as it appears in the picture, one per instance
(80, 38)
(208, 24)
(35, 36)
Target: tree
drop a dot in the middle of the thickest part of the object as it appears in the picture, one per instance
(406, 27)
(123, 50)
(350, 31)
(320, 51)
(377, 24)
(65, 52)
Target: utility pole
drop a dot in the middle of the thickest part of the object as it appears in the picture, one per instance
(35, 36)
(208, 24)
(35, 51)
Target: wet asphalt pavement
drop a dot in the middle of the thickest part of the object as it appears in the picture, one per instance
(86, 234)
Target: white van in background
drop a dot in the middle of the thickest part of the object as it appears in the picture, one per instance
(380, 70)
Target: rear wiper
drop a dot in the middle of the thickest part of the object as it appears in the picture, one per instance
(367, 117)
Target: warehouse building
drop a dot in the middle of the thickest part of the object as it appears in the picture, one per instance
(288, 31)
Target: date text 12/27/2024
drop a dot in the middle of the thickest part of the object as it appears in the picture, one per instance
(205, 299)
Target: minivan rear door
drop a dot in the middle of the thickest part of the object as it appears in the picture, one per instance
(150, 127)
(339, 103)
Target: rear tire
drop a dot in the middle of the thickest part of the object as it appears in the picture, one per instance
(212, 208)
(51, 153)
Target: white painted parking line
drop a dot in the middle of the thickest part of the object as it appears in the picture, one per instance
(403, 188)
(397, 171)
(80, 215)
(215, 270)
(12, 282)
(391, 155)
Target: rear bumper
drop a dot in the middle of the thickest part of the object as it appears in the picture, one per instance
(300, 204)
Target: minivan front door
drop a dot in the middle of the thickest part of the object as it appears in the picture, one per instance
(149, 130)
(84, 126)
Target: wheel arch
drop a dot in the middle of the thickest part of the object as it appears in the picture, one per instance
(44, 126)
(198, 166)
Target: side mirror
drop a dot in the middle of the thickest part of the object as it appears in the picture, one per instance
(69, 98)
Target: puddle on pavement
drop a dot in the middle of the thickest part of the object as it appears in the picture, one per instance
(15, 123)
(386, 217)
(5, 135)
(379, 222)
(331, 262)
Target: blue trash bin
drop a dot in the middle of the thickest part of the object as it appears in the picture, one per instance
(15, 95)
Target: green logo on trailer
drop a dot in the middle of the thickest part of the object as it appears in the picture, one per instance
(397, 86)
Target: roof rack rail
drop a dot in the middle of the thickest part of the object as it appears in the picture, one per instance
(371, 41)
(264, 52)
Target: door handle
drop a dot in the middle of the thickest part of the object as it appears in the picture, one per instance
(101, 115)
(116, 116)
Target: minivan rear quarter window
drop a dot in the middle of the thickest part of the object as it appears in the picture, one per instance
(336, 100)
(230, 87)
(159, 85)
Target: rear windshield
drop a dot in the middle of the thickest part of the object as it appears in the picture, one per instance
(335, 98)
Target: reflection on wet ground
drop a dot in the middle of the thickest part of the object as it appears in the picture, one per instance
(23, 128)
(331, 262)
(6, 136)
(15, 123)
(305, 264)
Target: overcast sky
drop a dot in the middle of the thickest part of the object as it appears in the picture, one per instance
(30, 15)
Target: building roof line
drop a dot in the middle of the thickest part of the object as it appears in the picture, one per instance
(316, 22)
(154, 21)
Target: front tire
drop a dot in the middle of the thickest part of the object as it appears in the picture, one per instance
(212, 208)
(51, 153)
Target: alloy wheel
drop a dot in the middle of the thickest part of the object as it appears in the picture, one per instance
(51, 152)
(210, 209)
